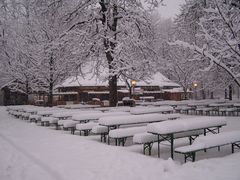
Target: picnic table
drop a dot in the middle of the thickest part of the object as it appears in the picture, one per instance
(116, 122)
(168, 129)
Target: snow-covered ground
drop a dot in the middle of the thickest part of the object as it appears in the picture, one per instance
(31, 152)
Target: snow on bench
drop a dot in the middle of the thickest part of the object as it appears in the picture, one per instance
(25, 116)
(86, 127)
(48, 112)
(80, 106)
(120, 135)
(135, 119)
(102, 130)
(47, 120)
(167, 129)
(69, 113)
(211, 141)
(94, 116)
(224, 111)
(147, 139)
(115, 122)
(34, 118)
(175, 126)
(86, 117)
(201, 110)
(147, 110)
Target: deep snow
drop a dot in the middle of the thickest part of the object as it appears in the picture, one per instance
(32, 152)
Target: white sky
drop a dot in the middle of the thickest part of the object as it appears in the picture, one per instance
(171, 9)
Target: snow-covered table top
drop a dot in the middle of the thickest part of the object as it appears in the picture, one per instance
(145, 110)
(220, 104)
(70, 113)
(181, 125)
(97, 115)
(48, 112)
(236, 105)
(135, 119)
(80, 106)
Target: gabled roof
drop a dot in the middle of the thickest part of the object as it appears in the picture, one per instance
(4, 81)
(157, 80)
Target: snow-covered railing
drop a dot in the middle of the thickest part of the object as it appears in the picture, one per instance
(168, 129)
(211, 141)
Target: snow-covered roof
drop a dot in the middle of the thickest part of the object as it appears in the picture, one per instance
(89, 80)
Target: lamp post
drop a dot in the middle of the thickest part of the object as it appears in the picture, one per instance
(133, 84)
(195, 89)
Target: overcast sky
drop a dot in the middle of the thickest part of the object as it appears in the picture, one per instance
(171, 9)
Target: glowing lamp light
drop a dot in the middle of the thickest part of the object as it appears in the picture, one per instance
(195, 85)
(133, 82)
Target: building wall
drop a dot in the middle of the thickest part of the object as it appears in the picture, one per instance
(13, 98)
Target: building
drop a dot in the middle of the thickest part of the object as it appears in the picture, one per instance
(90, 89)
(10, 97)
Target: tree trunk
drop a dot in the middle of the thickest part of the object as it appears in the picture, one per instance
(225, 96)
(27, 93)
(113, 98)
(50, 93)
(230, 91)
(185, 94)
(109, 47)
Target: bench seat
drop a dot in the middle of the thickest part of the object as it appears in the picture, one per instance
(48, 120)
(102, 130)
(211, 141)
(120, 135)
(85, 127)
(34, 118)
(25, 116)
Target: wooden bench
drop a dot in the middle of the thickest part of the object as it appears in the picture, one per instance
(102, 130)
(228, 111)
(147, 139)
(168, 129)
(208, 142)
(120, 135)
(148, 110)
(115, 122)
(85, 127)
(34, 118)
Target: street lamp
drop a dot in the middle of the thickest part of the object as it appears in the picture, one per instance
(133, 84)
(195, 89)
